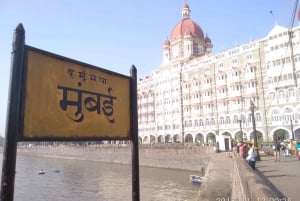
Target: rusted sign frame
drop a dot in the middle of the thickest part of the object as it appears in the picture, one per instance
(15, 117)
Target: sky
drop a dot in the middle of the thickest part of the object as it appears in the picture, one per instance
(116, 34)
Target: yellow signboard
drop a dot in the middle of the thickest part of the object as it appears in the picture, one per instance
(67, 99)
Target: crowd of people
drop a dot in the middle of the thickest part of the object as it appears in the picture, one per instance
(246, 151)
(280, 148)
(286, 149)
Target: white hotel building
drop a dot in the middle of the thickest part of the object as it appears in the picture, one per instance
(196, 96)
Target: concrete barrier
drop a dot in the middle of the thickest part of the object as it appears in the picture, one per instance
(248, 184)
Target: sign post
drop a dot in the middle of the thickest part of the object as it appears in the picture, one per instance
(54, 98)
(13, 114)
(135, 140)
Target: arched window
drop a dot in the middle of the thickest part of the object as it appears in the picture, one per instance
(270, 81)
(222, 121)
(235, 119)
(212, 121)
(227, 119)
(258, 117)
(271, 96)
(249, 118)
(291, 93)
(201, 122)
(185, 124)
(275, 115)
(234, 61)
(207, 121)
(281, 94)
(288, 114)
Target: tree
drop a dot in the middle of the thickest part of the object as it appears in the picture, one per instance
(279, 135)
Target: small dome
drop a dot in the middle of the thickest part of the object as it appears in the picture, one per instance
(186, 27)
(207, 40)
(167, 42)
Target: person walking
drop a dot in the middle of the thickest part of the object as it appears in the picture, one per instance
(289, 148)
(243, 150)
(251, 156)
(283, 149)
(298, 150)
(276, 148)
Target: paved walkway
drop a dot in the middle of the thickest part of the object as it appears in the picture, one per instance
(283, 175)
(217, 181)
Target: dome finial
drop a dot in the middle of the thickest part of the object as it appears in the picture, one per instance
(185, 11)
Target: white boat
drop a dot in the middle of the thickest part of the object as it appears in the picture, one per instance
(196, 179)
(41, 172)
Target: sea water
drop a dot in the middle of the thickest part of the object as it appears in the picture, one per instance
(78, 180)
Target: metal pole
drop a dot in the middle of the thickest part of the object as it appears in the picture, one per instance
(135, 139)
(292, 128)
(254, 131)
(13, 114)
(240, 121)
(290, 32)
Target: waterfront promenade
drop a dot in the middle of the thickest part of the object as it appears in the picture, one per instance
(283, 175)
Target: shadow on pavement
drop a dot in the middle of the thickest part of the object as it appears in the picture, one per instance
(268, 171)
(260, 173)
(274, 176)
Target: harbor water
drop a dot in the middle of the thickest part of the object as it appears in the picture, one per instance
(77, 180)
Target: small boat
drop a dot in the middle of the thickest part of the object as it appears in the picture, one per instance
(195, 179)
(56, 170)
(41, 172)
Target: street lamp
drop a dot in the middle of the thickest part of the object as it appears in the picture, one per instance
(254, 130)
(241, 136)
(292, 128)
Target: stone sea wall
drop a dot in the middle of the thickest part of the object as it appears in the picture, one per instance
(194, 158)
(249, 185)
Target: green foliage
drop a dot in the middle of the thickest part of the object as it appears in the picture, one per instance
(280, 135)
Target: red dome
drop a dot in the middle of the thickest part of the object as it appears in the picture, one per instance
(186, 27)
(167, 42)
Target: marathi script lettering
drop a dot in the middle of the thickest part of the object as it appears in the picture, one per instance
(71, 72)
(83, 76)
(91, 102)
